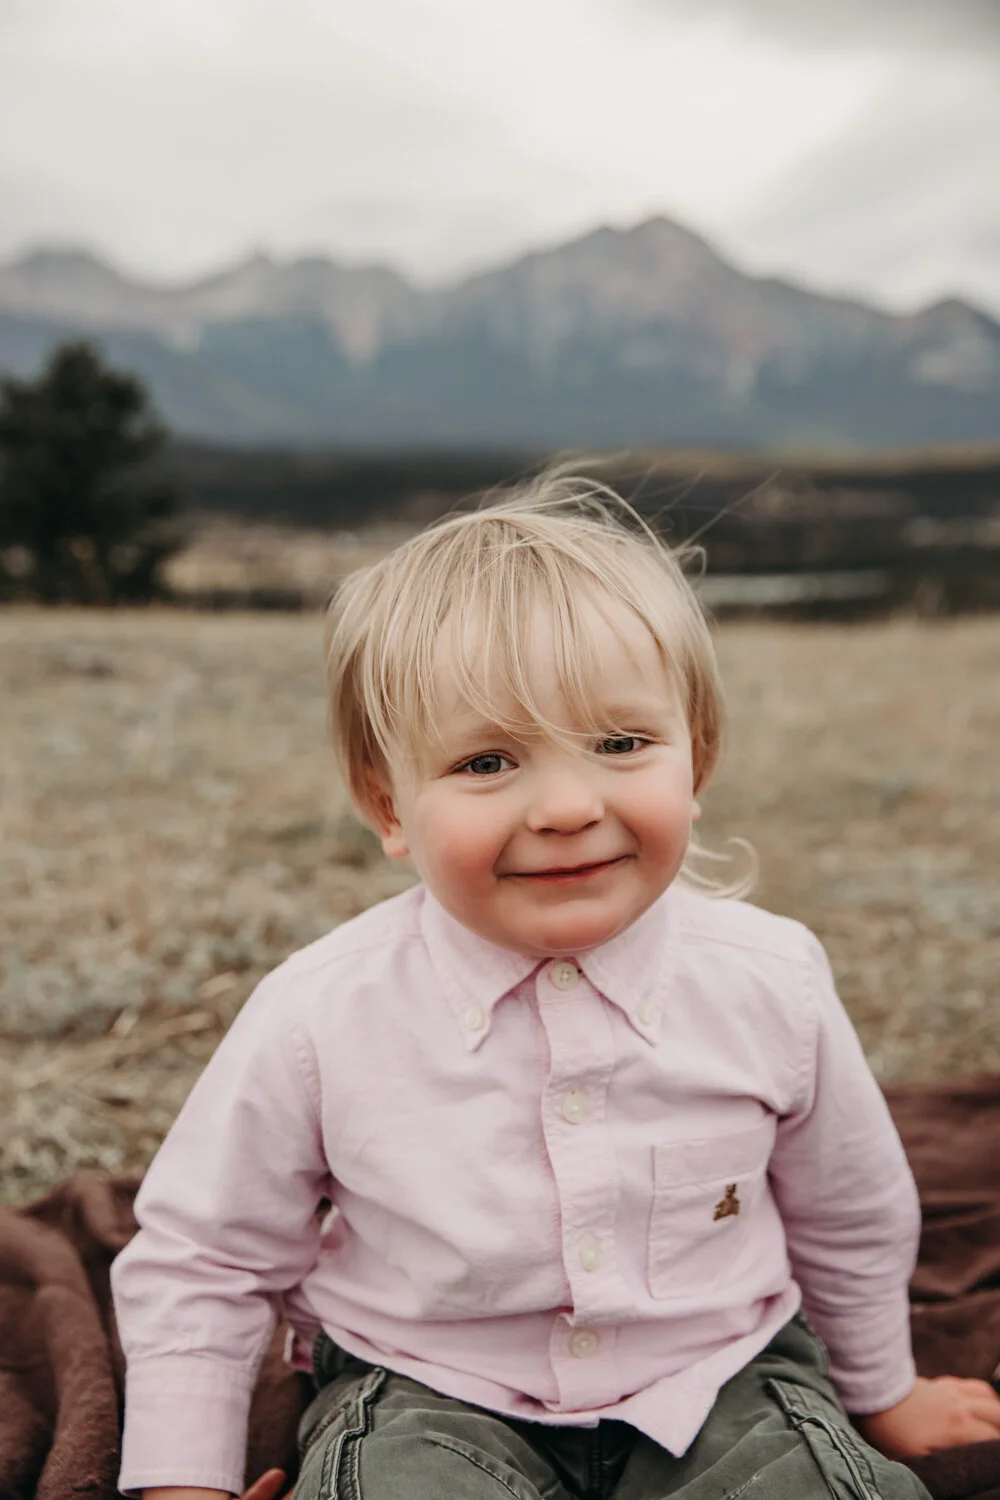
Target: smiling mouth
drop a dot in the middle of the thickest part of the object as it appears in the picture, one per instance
(574, 872)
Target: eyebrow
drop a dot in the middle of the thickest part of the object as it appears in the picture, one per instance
(637, 711)
(630, 705)
(632, 708)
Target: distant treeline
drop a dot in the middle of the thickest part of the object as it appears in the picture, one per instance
(344, 489)
(92, 495)
(927, 524)
(336, 490)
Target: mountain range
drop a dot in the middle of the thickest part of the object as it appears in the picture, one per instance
(639, 337)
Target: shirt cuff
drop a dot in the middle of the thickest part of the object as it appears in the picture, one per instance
(185, 1424)
(871, 1358)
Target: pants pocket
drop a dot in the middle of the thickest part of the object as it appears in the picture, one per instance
(486, 1463)
(845, 1462)
(329, 1434)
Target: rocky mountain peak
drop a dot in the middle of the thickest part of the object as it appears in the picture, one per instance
(638, 335)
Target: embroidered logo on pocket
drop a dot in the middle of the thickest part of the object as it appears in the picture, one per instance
(728, 1204)
(706, 1194)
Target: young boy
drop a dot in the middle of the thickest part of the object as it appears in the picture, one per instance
(590, 1137)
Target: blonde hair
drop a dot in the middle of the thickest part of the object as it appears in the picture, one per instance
(560, 540)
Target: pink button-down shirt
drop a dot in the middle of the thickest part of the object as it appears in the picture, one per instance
(564, 1191)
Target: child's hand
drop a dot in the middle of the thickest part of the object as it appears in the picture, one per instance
(939, 1413)
(268, 1487)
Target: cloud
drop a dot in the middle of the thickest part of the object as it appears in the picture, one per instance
(44, 210)
(964, 26)
(175, 149)
(421, 132)
(443, 137)
(900, 205)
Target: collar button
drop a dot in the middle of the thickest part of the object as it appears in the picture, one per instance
(564, 975)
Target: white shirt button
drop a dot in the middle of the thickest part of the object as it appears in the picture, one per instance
(583, 1343)
(591, 1253)
(474, 1018)
(649, 1012)
(575, 1107)
(564, 975)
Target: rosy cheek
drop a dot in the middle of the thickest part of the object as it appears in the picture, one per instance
(461, 843)
(475, 852)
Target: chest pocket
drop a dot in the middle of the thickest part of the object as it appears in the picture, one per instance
(704, 1196)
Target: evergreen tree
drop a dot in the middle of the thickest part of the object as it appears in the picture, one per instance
(84, 517)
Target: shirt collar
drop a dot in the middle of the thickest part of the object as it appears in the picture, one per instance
(475, 974)
(633, 969)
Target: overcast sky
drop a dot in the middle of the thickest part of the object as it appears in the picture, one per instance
(854, 144)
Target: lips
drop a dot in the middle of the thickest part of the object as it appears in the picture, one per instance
(567, 872)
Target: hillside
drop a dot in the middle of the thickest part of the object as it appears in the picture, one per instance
(620, 338)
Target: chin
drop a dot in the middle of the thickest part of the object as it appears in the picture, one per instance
(563, 939)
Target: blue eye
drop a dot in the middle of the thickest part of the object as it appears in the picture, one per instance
(621, 744)
(486, 765)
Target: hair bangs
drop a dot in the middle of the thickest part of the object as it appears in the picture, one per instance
(523, 600)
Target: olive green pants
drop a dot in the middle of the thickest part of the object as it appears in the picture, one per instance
(776, 1432)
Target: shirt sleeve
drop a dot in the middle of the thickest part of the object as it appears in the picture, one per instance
(849, 1205)
(227, 1217)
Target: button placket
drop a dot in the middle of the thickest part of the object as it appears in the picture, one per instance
(584, 1361)
(586, 1172)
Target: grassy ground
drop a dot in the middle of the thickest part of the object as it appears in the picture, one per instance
(171, 829)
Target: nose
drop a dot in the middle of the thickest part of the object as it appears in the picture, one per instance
(564, 799)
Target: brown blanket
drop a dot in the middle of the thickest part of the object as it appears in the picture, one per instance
(61, 1364)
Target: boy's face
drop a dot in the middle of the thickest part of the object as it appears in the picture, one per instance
(551, 848)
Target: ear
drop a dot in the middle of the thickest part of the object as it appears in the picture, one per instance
(383, 812)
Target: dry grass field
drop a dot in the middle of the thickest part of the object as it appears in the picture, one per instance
(170, 828)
